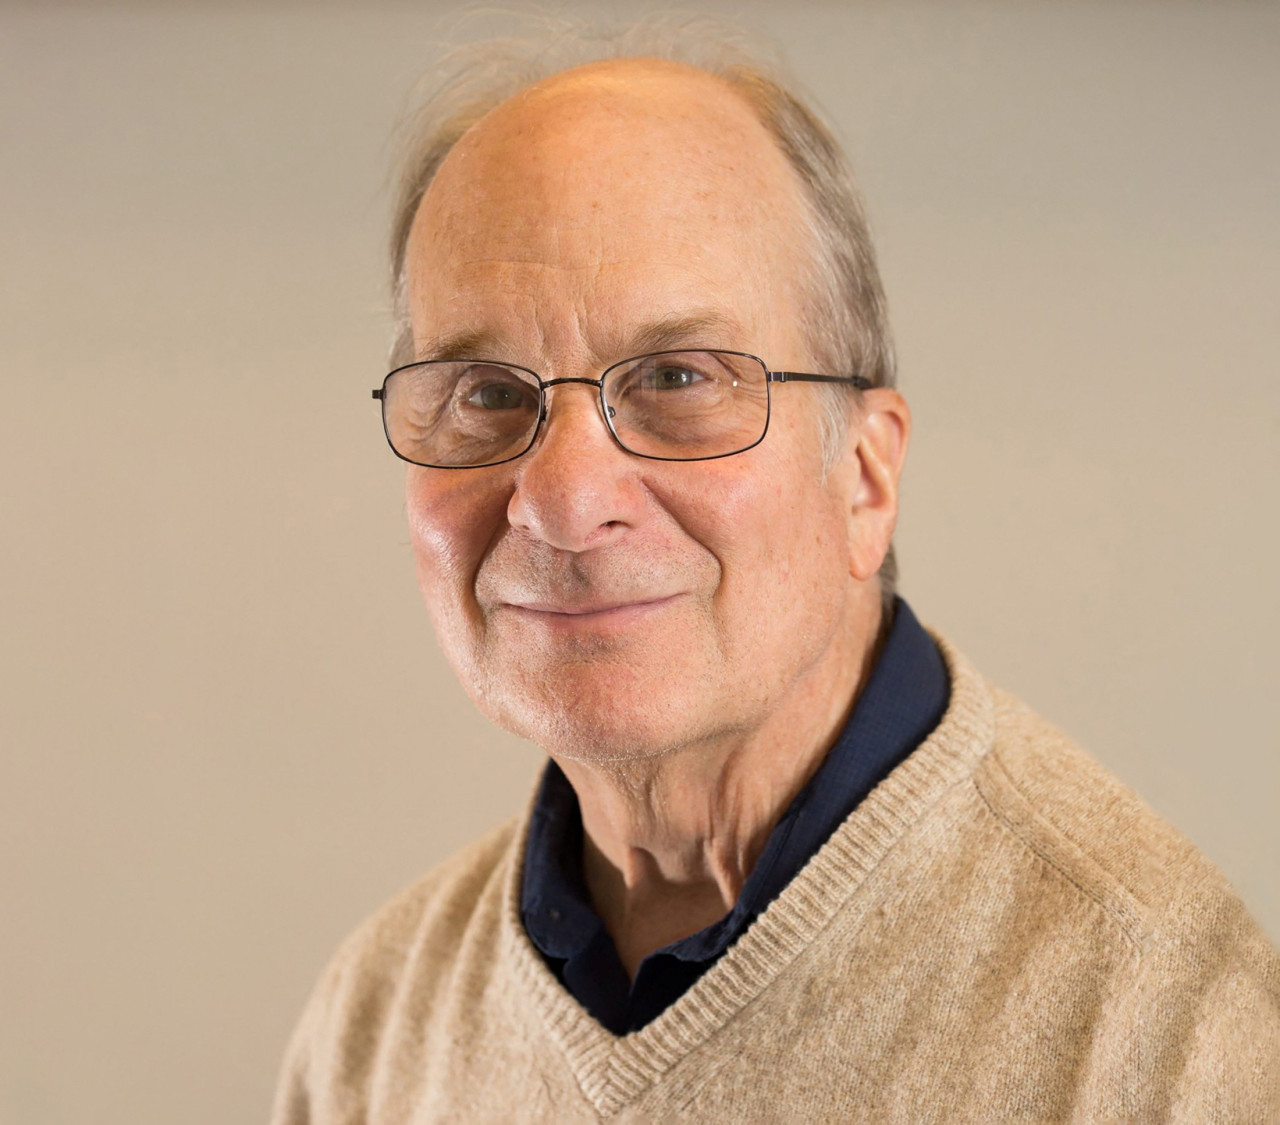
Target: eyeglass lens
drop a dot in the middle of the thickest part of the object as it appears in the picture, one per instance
(675, 405)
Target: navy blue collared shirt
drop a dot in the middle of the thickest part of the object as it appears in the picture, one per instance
(904, 698)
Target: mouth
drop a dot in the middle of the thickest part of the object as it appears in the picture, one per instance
(570, 616)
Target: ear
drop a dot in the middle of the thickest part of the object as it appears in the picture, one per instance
(877, 448)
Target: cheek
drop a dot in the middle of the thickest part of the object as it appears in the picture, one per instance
(779, 538)
(452, 519)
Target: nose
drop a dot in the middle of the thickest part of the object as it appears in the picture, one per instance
(576, 489)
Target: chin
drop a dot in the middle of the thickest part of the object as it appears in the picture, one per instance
(599, 724)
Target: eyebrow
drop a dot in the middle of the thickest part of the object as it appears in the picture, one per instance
(703, 327)
(458, 345)
(699, 328)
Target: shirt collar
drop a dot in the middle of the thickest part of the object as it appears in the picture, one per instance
(903, 700)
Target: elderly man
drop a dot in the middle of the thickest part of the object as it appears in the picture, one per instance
(791, 856)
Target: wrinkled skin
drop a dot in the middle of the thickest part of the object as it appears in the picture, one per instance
(705, 623)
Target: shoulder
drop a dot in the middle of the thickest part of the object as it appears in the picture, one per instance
(1203, 980)
(411, 944)
(442, 898)
(434, 913)
(1085, 822)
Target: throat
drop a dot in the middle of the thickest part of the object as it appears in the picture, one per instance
(644, 910)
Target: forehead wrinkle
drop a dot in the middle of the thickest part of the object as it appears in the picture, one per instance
(476, 290)
(571, 130)
(702, 328)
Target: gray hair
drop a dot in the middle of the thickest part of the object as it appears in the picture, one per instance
(844, 312)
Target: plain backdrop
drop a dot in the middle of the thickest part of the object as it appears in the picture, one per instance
(227, 731)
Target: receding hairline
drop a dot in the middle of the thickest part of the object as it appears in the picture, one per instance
(590, 84)
(735, 83)
(632, 76)
(513, 128)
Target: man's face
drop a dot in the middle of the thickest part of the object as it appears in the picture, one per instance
(601, 604)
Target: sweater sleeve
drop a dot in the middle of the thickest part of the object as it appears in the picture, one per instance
(1231, 1068)
(293, 1096)
(1193, 1034)
(292, 1105)
(331, 1071)
(329, 1065)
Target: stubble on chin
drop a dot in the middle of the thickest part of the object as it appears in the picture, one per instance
(557, 692)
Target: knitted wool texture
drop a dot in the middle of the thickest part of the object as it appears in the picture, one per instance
(999, 931)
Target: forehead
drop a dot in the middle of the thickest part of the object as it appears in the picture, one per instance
(611, 194)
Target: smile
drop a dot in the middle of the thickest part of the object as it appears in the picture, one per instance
(570, 617)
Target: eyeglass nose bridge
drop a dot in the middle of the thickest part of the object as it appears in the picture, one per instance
(544, 384)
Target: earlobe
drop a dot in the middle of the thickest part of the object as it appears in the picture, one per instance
(878, 440)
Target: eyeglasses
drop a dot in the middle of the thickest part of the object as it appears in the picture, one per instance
(668, 406)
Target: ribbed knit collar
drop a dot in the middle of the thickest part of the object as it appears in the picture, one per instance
(613, 1071)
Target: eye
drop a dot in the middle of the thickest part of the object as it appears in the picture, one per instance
(691, 377)
(499, 396)
(671, 377)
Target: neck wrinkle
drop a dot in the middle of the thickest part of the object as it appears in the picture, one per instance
(669, 841)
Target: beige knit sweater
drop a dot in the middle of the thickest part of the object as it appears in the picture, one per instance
(1000, 931)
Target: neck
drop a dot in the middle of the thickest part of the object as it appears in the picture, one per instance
(670, 840)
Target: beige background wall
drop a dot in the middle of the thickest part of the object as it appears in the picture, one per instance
(226, 731)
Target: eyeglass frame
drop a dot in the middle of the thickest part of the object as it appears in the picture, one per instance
(859, 381)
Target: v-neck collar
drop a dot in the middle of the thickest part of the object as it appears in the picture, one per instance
(614, 1071)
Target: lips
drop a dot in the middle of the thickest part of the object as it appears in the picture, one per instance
(590, 608)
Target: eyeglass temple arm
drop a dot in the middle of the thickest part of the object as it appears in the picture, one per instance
(807, 377)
